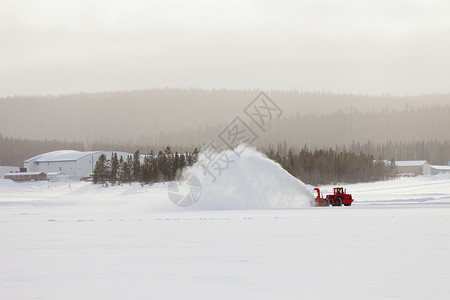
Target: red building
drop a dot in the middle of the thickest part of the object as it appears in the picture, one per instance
(26, 176)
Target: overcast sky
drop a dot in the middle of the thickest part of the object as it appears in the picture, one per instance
(360, 46)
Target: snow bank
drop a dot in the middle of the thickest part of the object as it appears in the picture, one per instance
(7, 183)
(249, 181)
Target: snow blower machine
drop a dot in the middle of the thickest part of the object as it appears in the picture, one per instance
(339, 197)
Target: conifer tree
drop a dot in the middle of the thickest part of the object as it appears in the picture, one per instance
(170, 164)
(120, 169)
(100, 170)
(163, 165)
(195, 155)
(146, 169)
(156, 174)
(189, 159)
(114, 168)
(182, 161)
(126, 169)
(175, 165)
(136, 169)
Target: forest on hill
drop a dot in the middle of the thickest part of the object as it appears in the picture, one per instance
(192, 117)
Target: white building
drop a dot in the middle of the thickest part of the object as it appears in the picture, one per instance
(57, 177)
(75, 164)
(437, 170)
(413, 167)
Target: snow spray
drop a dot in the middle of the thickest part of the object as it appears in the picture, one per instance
(247, 179)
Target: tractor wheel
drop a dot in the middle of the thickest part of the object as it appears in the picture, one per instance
(348, 204)
(326, 202)
(338, 202)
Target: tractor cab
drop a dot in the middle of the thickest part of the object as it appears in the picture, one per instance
(339, 191)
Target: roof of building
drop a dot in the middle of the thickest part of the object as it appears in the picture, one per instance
(67, 155)
(441, 167)
(23, 173)
(62, 155)
(410, 163)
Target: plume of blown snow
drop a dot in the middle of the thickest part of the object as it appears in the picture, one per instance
(250, 181)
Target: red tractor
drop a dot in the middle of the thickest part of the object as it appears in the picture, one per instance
(339, 197)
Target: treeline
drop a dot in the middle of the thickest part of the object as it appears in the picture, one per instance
(163, 166)
(312, 167)
(433, 151)
(328, 166)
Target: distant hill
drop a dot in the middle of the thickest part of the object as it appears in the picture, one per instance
(190, 117)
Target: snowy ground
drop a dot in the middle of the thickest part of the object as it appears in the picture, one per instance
(79, 241)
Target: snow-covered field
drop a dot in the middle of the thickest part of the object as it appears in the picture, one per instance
(80, 241)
